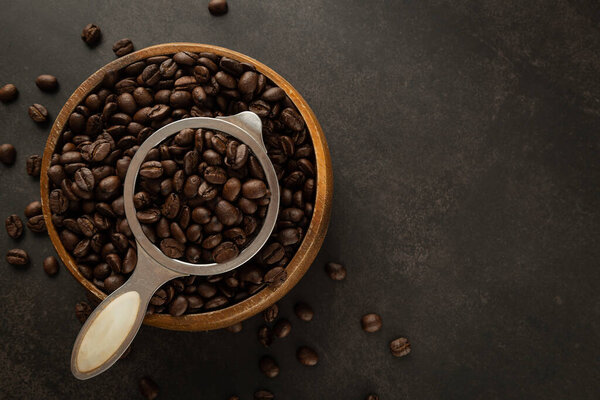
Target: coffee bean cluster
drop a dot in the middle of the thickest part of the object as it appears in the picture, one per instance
(203, 196)
(104, 132)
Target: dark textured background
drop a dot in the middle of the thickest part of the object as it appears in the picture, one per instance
(465, 143)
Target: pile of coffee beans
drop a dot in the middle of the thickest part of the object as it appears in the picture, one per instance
(201, 196)
(104, 132)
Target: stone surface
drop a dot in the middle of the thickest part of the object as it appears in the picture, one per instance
(464, 138)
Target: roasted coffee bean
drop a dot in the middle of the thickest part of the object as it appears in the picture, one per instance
(268, 366)
(8, 154)
(371, 322)
(113, 282)
(47, 83)
(271, 313)
(170, 207)
(307, 356)
(14, 226)
(217, 7)
(148, 388)
(265, 336)
(38, 113)
(216, 302)
(336, 271)
(400, 347)
(83, 311)
(151, 169)
(51, 265)
(178, 306)
(34, 165)
(122, 47)
(372, 397)
(149, 216)
(282, 328)
(275, 277)
(304, 312)
(235, 328)
(263, 395)
(8, 93)
(17, 257)
(254, 189)
(225, 251)
(36, 224)
(91, 34)
(172, 248)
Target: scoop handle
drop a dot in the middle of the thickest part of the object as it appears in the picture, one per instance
(110, 329)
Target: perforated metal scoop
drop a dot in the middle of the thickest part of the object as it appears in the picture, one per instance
(110, 329)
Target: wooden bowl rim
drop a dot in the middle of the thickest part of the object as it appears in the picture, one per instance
(315, 233)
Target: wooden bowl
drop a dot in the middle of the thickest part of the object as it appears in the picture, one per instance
(315, 233)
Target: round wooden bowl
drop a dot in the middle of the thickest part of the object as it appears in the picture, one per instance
(314, 235)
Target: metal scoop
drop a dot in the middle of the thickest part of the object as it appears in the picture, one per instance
(110, 329)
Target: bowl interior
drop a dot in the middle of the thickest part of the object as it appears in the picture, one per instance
(315, 233)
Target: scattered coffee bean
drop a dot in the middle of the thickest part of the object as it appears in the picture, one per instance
(17, 257)
(371, 322)
(122, 47)
(271, 313)
(36, 224)
(336, 271)
(268, 366)
(148, 388)
(217, 7)
(8, 93)
(34, 208)
(47, 83)
(83, 311)
(8, 154)
(263, 394)
(400, 347)
(14, 226)
(307, 356)
(282, 328)
(234, 397)
(372, 397)
(304, 312)
(34, 165)
(235, 328)
(265, 336)
(91, 34)
(51, 265)
(38, 113)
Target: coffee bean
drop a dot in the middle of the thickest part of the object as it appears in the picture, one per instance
(82, 311)
(234, 397)
(151, 169)
(336, 271)
(34, 165)
(8, 154)
(36, 224)
(122, 47)
(8, 93)
(148, 388)
(216, 302)
(263, 395)
(254, 189)
(172, 248)
(47, 83)
(307, 356)
(271, 313)
(304, 312)
(400, 347)
(275, 277)
(371, 322)
(217, 7)
(91, 34)
(372, 397)
(235, 328)
(224, 252)
(282, 328)
(38, 113)
(17, 257)
(51, 265)
(265, 336)
(113, 282)
(14, 226)
(178, 306)
(268, 366)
